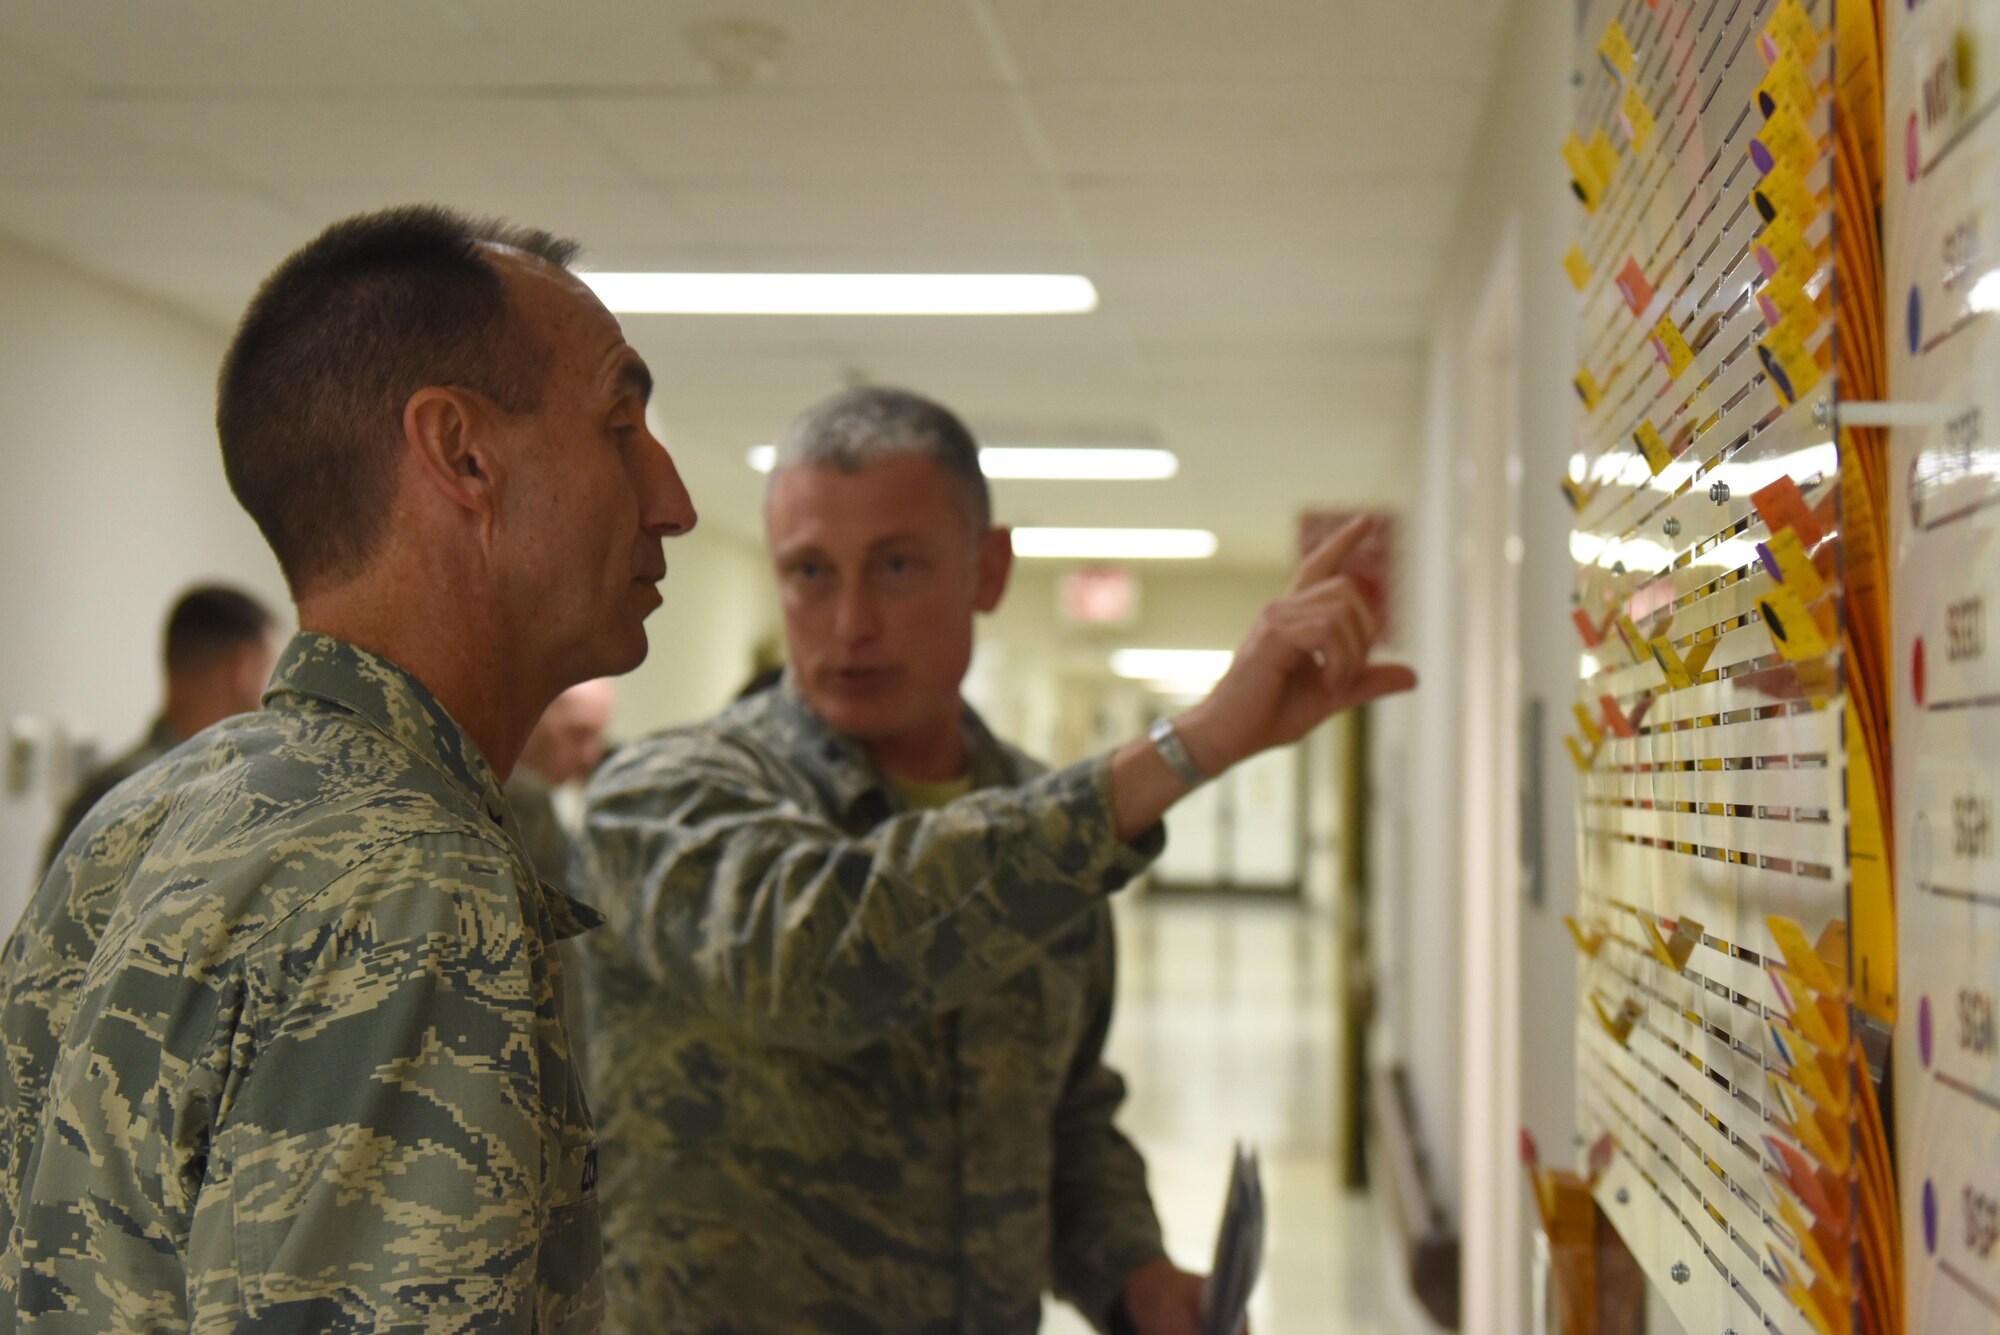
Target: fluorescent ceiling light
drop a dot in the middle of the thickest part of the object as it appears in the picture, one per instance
(1182, 667)
(844, 293)
(1115, 544)
(1048, 462)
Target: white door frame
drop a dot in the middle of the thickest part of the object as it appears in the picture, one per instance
(1488, 564)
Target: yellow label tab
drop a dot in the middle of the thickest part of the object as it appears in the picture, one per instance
(1786, 305)
(1654, 447)
(1670, 663)
(1605, 154)
(1577, 755)
(1792, 626)
(1588, 389)
(1637, 119)
(1585, 173)
(1786, 84)
(1783, 194)
(1790, 32)
(1577, 266)
(1589, 725)
(1785, 141)
(1794, 371)
(1674, 347)
(1795, 569)
(1588, 942)
(1785, 252)
(1675, 950)
(1616, 48)
(1871, 898)
(1801, 956)
(1635, 643)
(1697, 656)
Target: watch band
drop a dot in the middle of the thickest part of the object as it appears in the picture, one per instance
(1166, 740)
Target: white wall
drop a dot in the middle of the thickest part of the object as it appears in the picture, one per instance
(113, 499)
(720, 603)
(1516, 187)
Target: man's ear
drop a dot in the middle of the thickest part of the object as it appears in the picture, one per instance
(996, 563)
(446, 429)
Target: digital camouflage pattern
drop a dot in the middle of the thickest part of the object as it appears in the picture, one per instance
(846, 1057)
(159, 739)
(281, 1037)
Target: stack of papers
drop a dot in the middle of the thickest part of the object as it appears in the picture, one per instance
(1239, 1251)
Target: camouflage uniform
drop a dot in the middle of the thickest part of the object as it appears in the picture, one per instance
(159, 740)
(847, 1057)
(281, 1040)
(547, 845)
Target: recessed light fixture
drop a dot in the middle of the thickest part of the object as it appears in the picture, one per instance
(844, 293)
(1115, 544)
(1203, 667)
(1047, 462)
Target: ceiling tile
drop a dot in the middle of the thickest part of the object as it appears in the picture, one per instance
(62, 141)
(813, 140)
(416, 146)
(209, 45)
(903, 217)
(1230, 132)
(610, 219)
(833, 44)
(1253, 41)
(188, 245)
(21, 76)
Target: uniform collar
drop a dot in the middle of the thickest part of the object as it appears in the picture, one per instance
(161, 736)
(321, 667)
(856, 779)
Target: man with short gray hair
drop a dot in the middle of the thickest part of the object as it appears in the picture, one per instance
(850, 1005)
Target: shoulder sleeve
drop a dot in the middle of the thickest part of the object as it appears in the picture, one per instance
(344, 1125)
(391, 1153)
(764, 913)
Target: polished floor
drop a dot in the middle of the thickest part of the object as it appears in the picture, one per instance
(1225, 1031)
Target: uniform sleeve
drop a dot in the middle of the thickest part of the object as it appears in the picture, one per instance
(1104, 1223)
(340, 1130)
(388, 1154)
(765, 914)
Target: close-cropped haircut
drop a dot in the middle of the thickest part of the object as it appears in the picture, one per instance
(309, 403)
(209, 622)
(858, 427)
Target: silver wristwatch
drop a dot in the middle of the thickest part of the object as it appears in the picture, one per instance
(1166, 740)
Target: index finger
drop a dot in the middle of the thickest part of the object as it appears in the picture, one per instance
(1330, 557)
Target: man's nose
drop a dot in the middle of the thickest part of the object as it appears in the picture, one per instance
(668, 510)
(855, 617)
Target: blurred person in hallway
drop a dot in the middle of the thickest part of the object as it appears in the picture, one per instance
(565, 748)
(850, 1006)
(219, 647)
(282, 1034)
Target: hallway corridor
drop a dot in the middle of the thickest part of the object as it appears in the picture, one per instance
(1225, 1030)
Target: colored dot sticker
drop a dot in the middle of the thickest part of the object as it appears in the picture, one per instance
(1916, 319)
(1930, 1218)
(1924, 1031)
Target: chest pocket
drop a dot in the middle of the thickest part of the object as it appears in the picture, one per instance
(572, 1256)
